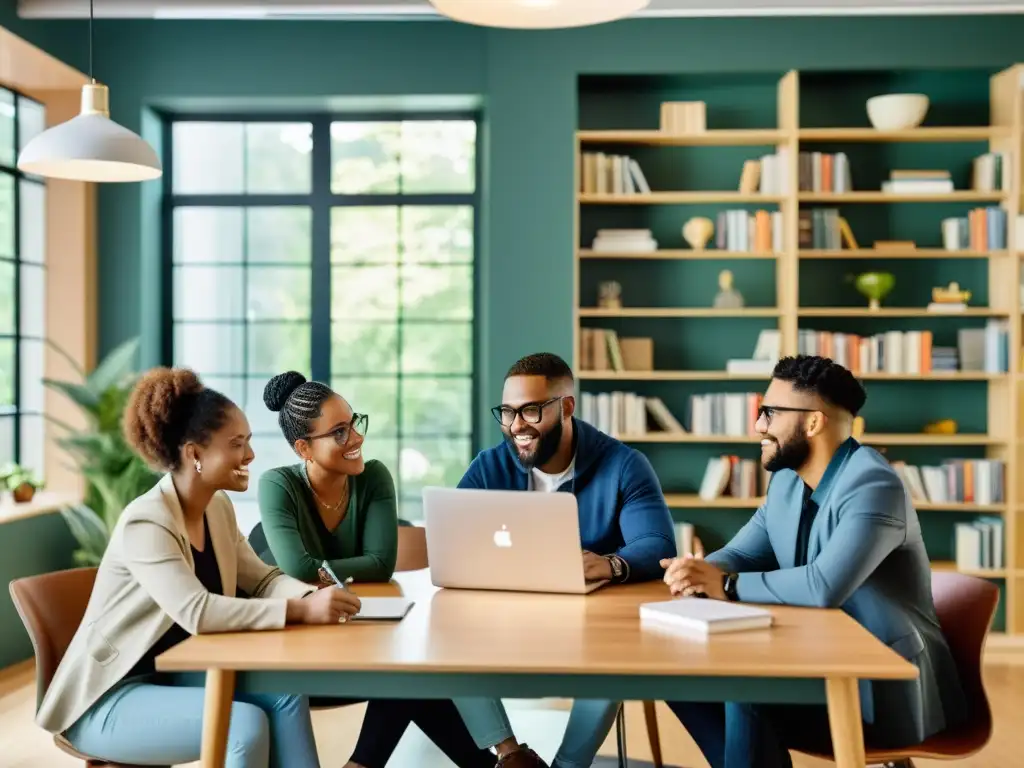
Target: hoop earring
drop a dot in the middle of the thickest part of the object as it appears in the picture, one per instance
(199, 467)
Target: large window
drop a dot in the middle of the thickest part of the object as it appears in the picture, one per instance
(343, 249)
(22, 288)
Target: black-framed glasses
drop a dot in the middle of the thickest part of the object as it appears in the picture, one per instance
(531, 413)
(769, 411)
(360, 422)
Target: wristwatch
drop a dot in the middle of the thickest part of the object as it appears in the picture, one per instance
(618, 566)
(729, 586)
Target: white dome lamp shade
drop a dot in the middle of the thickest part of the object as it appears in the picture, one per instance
(91, 146)
(537, 14)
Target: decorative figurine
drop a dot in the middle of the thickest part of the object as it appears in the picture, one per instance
(951, 294)
(728, 297)
(697, 231)
(875, 286)
(609, 295)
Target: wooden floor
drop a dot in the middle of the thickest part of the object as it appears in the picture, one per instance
(23, 745)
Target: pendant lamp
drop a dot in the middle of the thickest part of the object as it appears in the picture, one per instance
(91, 146)
(537, 14)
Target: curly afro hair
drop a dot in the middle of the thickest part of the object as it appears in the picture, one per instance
(824, 377)
(170, 407)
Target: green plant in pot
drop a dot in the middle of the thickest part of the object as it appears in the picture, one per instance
(114, 475)
(21, 482)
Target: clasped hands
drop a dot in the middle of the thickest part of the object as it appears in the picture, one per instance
(692, 574)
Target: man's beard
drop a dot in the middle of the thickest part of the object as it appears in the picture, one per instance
(789, 455)
(547, 447)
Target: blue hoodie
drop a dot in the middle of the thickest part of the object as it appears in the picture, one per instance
(621, 507)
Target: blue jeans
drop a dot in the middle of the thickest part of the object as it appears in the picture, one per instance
(141, 722)
(589, 723)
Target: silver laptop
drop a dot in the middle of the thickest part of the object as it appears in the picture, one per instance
(505, 540)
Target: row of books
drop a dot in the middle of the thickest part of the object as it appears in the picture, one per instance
(605, 174)
(749, 231)
(980, 544)
(602, 349)
(912, 352)
(823, 228)
(730, 414)
(982, 229)
(733, 476)
(627, 413)
(917, 182)
(990, 172)
(824, 172)
(968, 481)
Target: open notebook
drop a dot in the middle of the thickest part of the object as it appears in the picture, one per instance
(382, 608)
(705, 616)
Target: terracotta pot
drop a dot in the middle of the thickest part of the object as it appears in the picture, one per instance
(23, 493)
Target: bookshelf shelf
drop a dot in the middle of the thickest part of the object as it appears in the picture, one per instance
(716, 138)
(678, 254)
(961, 196)
(680, 198)
(678, 312)
(916, 253)
(896, 312)
(677, 371)
(948, 134)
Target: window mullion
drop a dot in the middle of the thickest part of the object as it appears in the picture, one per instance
(320, 272)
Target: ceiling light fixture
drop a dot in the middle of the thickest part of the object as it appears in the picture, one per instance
(91, 146)
(537, 14)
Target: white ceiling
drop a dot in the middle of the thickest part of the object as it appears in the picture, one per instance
(421, 9)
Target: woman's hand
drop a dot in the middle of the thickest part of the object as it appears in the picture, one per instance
(325, 606)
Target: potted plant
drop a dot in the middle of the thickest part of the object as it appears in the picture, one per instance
(21, 482)
(114, 474)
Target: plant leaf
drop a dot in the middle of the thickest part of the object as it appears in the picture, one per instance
(79, 394)
(89, 531)
(115, 367)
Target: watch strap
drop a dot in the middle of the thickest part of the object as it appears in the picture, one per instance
(729, 586)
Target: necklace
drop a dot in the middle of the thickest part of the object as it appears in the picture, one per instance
(331, 507)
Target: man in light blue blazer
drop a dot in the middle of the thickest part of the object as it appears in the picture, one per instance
(837, 530)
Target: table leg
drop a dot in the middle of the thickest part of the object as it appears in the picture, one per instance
(220, 692)
(845, 722)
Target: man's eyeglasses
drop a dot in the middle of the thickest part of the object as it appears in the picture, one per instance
(768, 411)
(360, 421)
(531, 413)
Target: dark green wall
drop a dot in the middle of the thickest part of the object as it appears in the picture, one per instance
(27, 547)
(528, 81)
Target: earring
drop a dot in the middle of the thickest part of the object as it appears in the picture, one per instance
(199, 467)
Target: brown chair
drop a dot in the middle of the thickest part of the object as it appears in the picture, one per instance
(51, 607)
(412, 548)
(965, 606)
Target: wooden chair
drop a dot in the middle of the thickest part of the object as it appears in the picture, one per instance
(965, 606)
(51, 607)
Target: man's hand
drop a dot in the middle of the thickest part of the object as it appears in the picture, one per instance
(595, 567)
(689, 575)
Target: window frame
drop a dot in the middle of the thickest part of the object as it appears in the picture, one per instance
(17, 412)
(321, 200)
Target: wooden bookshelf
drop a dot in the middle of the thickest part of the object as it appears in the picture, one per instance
(1004, 435)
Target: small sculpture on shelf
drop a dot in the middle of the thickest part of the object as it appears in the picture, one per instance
(951, 294)
(727, 297)
(609, 295)
(875, 286)
(698, 231)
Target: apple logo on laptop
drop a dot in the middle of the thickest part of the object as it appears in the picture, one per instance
(503, 538)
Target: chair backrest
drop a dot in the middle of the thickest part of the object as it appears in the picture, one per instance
(51, 607)
(965, 606)
(412, 548)
(258, 542)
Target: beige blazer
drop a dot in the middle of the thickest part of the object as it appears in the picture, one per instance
(145, 583)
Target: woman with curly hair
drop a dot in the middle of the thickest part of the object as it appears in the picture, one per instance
(171, 569)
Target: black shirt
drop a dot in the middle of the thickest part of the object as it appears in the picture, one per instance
(209, 575)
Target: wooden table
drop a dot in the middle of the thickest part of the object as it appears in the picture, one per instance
(456, 643)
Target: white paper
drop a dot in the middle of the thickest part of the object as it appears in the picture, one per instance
(383, 608)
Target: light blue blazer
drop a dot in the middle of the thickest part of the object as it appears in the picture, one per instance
(865, 555)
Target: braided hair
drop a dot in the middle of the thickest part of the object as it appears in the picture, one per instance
(297, 402)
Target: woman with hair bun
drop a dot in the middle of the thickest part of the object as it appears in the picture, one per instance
(171, 570)
(336, 506)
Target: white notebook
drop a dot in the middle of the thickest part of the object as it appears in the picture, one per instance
(383, 608)
(705, 616)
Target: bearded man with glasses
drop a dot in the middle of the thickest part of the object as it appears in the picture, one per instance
(625, 525)
(837, 530)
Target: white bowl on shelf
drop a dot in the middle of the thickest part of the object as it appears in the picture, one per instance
(897, 111)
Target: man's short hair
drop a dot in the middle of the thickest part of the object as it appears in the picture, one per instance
(546, 364)
(824, 377)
